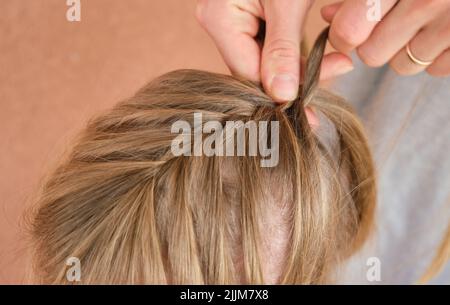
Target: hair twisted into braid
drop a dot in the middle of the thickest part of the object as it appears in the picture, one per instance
(132, 212)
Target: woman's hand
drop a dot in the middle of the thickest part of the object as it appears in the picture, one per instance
(234, 24)
(421, 25)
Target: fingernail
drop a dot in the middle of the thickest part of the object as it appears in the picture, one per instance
(311, 116)
(344, 69)
(284, 87)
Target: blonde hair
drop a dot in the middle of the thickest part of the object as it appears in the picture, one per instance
(132, 212)
(441, 257)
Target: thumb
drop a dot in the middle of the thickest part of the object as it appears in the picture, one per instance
(280, 66)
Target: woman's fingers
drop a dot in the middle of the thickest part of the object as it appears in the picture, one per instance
(234, 25)
(441, 66)
(233, 29)
(426, 46)
(329, 11)
(410, 35)
(395, 31)
(335, 64)
(241, 54)
(280, 62)
(350, 26)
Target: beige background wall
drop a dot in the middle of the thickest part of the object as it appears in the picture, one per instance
(54, 75)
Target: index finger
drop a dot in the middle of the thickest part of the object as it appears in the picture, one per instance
(232, 28)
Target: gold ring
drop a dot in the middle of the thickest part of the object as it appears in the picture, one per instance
(415, 59)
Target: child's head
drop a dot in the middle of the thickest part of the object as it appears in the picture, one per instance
(134, 212)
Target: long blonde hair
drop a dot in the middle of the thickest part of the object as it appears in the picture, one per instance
(132, 212)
